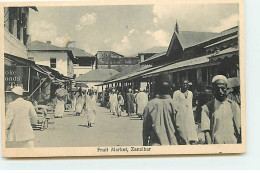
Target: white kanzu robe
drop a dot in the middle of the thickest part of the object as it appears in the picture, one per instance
(185, 116)
(141, 101)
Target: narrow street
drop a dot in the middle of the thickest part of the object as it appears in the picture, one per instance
(109, 130)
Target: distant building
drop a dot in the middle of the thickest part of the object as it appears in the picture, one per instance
(113, 60)
(84, 62)
(57, 58)
(95, 77)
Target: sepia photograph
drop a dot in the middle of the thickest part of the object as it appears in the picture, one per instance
(86, 79)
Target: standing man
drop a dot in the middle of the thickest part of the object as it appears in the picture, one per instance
(183, 103)
(130, 102)
(141, 102)
(17, 121)
(159, 125)
(221, 118)
(113, 102)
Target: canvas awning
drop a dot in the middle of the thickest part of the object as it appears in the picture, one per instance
(25, 62)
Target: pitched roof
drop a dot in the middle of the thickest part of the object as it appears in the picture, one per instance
(79, 52)
(38, 45)
(155, 56)
(158, 49)
(127, 71)
(96, 75)
(41, 46)
(191, 38)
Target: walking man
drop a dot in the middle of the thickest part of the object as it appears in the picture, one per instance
(113, 102)
(18, 121)
(183, 103)
(141, 102)
(130, 102)
(221, 118)
(159, 125)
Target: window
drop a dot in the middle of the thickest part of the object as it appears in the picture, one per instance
(31, 58)
(53, 62)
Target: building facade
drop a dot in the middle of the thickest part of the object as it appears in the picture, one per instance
(84, 62)
(57, 58)
(193, 56)
(113, 60)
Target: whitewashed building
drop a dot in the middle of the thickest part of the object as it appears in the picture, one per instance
(57, 58)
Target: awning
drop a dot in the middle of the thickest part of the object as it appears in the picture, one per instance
(134, 75)
(25, 62)
(227, 53)
(180, 65)
(55, 73)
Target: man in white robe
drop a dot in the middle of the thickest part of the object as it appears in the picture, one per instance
(141, 102)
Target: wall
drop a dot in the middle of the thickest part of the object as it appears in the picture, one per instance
(43, 58)
(81, 70)
(14, 46)
(70, 72)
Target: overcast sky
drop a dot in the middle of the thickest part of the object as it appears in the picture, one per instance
(127, 29)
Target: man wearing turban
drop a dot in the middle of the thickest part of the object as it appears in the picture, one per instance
(221, 118)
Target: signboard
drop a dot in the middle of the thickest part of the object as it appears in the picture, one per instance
(17, 76)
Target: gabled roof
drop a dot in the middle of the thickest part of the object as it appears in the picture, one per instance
(79, 52)
(191, 38)
(154, 50)
(96, 75)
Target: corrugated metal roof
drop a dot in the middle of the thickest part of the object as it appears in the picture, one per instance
(191, 38)
(96, 75)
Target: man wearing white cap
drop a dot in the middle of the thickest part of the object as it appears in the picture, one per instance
(17, 121)
(220, 118)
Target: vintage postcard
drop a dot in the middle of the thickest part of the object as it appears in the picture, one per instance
(109, 78)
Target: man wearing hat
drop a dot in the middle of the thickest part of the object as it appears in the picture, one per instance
(17, 121)
(221, 118)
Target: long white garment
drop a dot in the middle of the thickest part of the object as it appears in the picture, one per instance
(185, 115)
(141, 101)
(59, 110)
(113, 102)
(90, 109)
(74, 101)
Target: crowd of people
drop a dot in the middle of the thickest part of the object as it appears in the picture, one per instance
(171, 118)
(132, 103)
(84, 103)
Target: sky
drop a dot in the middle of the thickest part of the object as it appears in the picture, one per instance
(127, 29)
